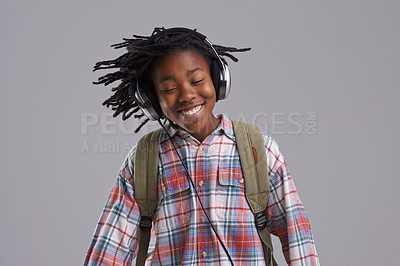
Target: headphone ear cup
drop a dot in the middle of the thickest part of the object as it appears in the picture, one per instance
(215, 76)
(147, 100)
(151, 95)
(221, 78)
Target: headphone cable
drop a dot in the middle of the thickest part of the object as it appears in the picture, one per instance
(197, 194)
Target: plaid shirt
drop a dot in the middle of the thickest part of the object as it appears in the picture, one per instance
(180, 234)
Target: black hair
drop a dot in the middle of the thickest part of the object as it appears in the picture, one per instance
(137, 62)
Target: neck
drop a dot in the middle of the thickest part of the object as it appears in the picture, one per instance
(202, 133)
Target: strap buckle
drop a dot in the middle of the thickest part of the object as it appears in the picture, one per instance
(260, 220)
(145, 223)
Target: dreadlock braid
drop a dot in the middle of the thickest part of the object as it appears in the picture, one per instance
(142, 52)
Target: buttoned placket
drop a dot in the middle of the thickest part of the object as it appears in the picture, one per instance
(199, 151)
(199, 181)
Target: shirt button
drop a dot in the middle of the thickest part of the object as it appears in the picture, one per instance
(202, 219)
(241, 181)
(201, 183)
(164, 188)
(204, 254)
(201, 148)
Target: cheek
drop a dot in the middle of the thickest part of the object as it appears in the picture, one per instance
(212, 95)
(211, 89)
(166, 104)
(162, 100)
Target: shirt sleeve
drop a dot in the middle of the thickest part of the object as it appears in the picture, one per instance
(115, 238)
(286, 215)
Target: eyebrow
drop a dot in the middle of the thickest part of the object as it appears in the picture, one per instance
(171, 77)
(166, 78)
(194, 70)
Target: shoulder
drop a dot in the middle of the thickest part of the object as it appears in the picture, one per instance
(275, 158)
(130, 157)
(126, 170)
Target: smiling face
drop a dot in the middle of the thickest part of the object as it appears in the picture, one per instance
(186, 92)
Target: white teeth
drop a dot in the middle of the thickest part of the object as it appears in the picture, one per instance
(192, 111)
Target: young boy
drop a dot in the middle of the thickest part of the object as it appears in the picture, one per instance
(182, 74)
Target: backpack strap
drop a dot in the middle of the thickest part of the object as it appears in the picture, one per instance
(145, 172)
(253, 159)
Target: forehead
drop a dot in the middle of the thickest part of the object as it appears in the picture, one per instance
(179, 61)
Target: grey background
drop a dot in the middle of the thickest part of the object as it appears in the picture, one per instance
(338, 59)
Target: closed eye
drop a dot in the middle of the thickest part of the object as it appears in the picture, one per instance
(168, 90)
(197, 81)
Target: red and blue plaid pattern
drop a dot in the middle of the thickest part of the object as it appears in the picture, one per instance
(180, 234)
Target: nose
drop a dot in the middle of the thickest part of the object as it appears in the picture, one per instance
(187, 93)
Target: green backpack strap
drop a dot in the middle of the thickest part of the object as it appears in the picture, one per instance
(253, 159)
(145, 172)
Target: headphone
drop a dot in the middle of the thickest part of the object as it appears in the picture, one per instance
(145, 93)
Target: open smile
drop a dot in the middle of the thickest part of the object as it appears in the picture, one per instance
(192, 111)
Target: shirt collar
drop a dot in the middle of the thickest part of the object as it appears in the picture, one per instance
(225, 126)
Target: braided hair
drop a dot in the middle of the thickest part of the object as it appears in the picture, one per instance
(142, 53)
